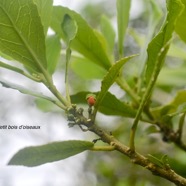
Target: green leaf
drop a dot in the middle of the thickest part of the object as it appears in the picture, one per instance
(113, 106)
(123, 10)
(34, 77)
(157, 51)
(53, 49)
(22, 34)
(29, 92)
(109, 33)
(177, 51)
(110, 78)
(109, 106)
(158, 47)
(38, 155)
(155, 160)
(172, 77)
(85, 42)
(46, 106)
(69, 27)
(163, 162)
(180, 24)
(80, 65)
(155, 15)
(45, 11)
(180, 98)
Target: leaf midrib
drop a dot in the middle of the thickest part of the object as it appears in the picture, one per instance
(36, 60)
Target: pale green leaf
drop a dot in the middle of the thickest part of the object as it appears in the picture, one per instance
(155, 15)
(45, 11)
(85, 42)
(53, 49)
(172, 77)
(123, 10)
(22, 34)
(86, 69)
(180, 24)
(109, 33)
(24, 90)
(155, 160)
(38, 155)
(46, 106)
(69, 28)
(177, 51)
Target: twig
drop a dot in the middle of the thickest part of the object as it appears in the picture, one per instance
(164, 172)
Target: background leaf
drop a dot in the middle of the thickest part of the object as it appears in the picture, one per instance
(176, 106)
(180, 24)
(53, 49)
(177, 75)
(155, 15)
(22, 34)
(158, 47)
(38, 155)
(81, 65)
(123, 10)
(85, 42)
(45, 11)
(108, 32)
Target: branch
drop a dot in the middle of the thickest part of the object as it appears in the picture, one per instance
(76, 117)
(164, 172)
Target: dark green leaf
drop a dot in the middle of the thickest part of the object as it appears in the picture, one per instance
(123, 10)
(109, 106)
(45, 11)
(38, 155)
(22, 34)
(180, 24)
(53, 49)
(85, 42)
(110, 78)
(112, 106)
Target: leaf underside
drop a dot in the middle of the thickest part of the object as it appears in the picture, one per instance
(38, 155)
